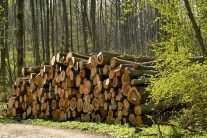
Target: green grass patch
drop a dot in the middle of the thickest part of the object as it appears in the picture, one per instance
(114, 130)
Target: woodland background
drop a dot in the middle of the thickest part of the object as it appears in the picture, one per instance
(32, 31)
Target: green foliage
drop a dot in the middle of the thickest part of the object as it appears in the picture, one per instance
(182, 82)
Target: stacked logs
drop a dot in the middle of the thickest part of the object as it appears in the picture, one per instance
(104, 87)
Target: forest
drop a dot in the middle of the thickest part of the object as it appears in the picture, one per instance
(172, 31)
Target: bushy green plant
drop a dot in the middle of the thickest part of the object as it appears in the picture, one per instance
(182, 81)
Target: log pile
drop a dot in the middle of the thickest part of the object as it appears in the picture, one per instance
(104, 87)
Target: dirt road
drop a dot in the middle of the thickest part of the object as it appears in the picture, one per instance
(29, 131)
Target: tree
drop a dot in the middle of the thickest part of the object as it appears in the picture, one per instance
(65, 17)
(20, 35)
(196, 28)
(35, 33)
(84, 15)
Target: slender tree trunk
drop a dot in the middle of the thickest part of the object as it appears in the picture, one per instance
(71, 27)
(196, 28)
(35, 33)
(19, 35)
(93, 24)
(6, 44)
(42, 30)
(47, 48)
(2, 46)
(84, 13)
(65, 17)
(52, 25)
(77, 25)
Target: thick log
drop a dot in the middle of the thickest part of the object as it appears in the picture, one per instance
(73, 104)
(93, 60)
(79, 105)
(126, 88)
(117, 82)
(56, 114)
(126, 104)
(72, 54)
(87, 87)
(104, 58)
(134, 96)
(125, 78)
(116, 62)
(63, 103)
(54, 104)
(141, 81)
(101, 100)
(60, 57)
(106, 70)
(26, 71)
(108, 83)
(133, 73)
(95, 104)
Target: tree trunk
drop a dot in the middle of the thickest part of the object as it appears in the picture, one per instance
(47, 48)
(19, 35)
(84, 13)
(196, 28)
(65, 17)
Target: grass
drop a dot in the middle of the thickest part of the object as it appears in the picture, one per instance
(113, 130)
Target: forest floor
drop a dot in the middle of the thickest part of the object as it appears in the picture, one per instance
(32, 131)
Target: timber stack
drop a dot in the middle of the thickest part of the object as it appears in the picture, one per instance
(104, 87)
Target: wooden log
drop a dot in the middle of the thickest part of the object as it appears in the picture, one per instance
(72, 92)
(108, 83)
(134, 96)
(137, 73)
(113, 92)
(104, 58)
(117, 82)
(87, 118)
(87, 87)
(111, 74)
(79, 105)
(89, 108)
(24, 115)
(138, 110)
(11, 102)
(72, 54)
(119, 97)
(141, 81)
(106, 70)
(78, 80)
(126, 104)
(132, 119)
(116, 62)
(74, 60)
(125, 78)
(96, 92)
(120, 105)
(60, 57)
(26, 71)
(54, 104)
(107, 95)
(126, 88)
(113, 104)
(56, 114)
(93, 60)
(95, 104)
(73, 103)
(63, 103)
(101, 100)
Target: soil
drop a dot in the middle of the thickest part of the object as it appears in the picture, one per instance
(31, 131)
